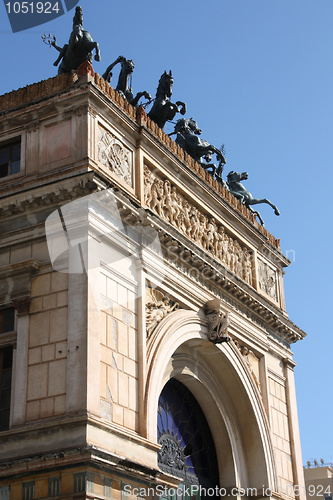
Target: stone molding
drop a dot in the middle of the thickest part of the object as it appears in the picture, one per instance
(217, 322)
(35, 91)
(142, 120)
(267, 279)
(61, 192)
(246, 354)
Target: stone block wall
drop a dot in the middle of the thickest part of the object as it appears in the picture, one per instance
(46, 383)
(119, 354)
(281, 434)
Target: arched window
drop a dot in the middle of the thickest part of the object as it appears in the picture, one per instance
(187, 446)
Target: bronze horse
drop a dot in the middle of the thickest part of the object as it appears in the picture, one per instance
(123, 87)
(79, 48)
(163, 109)
(188, 132)
(238, 190)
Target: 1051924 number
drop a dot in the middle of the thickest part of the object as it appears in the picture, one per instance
(32, 8)
(319, 490)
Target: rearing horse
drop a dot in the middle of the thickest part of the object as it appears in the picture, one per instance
(163, 109)
(123, 87)
(79, 48)
(238, 190)
(187, 131)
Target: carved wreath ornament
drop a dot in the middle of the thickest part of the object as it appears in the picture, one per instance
(115, 156)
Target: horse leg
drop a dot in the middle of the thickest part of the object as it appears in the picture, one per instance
(264, 200)
(98, 54)
(255, 212)
(182, 105)
(240, 197)
(208, 166)
(138, 96)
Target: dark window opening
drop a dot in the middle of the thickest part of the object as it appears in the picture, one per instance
(7, 320)
(187, 446)
(6, 364)
(10, 159)
(54, 486)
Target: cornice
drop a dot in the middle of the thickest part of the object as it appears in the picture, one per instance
(47, 195)
(35, 92)
(214, 275)
(30, 266)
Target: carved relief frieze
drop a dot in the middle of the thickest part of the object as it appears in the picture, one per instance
(165, 200)
(267, 279)
(158, 306)
(115, 156)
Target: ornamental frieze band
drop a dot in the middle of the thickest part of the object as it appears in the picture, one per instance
(163, 198)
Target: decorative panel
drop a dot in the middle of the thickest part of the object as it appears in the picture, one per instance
(115, 156)
(267, 279)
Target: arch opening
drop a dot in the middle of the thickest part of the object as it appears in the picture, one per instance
(187, 446)
(217, 378)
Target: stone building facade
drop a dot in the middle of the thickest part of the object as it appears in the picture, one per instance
(318, 480)
(143, 330)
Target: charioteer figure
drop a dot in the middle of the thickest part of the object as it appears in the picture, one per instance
(79, 48)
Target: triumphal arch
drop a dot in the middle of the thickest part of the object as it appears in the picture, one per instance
(145, 348)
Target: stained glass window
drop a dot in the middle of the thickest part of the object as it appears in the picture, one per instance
(187, 446)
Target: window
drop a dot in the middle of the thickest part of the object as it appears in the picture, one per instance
(6, 363)
(187, 446)
(7, 325)
(4, 492)
(79, 482)
(107, 487)
(7, 320)
(10, 159)
(54, 486)
(28, 491)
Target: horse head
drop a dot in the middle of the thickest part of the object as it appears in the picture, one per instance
(192, 125)
(127, 66)
(165, 84)
(237, 176)
(187, 125)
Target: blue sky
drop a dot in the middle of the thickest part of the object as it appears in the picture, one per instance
(257, 75)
